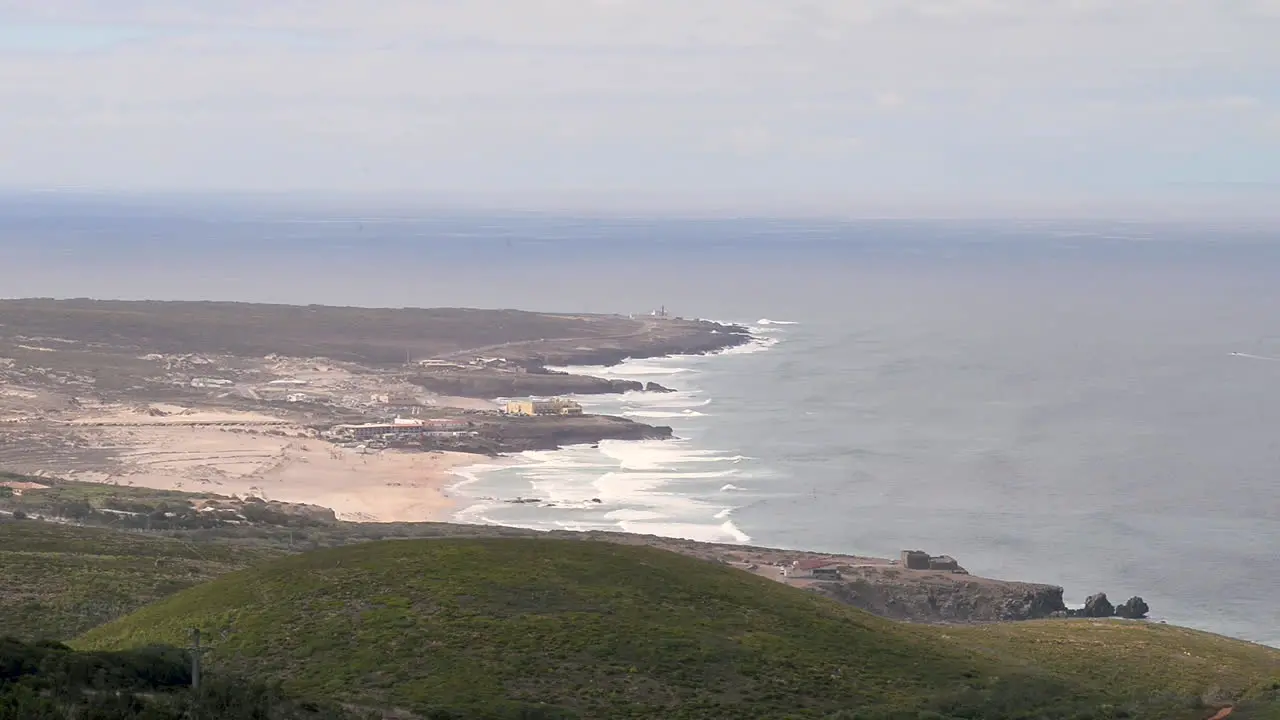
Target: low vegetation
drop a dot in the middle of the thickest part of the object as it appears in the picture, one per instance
(512, 626)
(135, 508)
(58, 580)
(1120, 656)
(370, 335)
(548, 628)
(49, 681)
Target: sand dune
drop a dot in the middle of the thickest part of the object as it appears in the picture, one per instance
(386, 486)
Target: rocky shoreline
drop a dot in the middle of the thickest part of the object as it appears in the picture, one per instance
(497, 435)
(522, 368)
(72, 359)
(684, 337)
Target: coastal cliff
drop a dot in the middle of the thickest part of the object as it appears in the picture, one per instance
(931, 597)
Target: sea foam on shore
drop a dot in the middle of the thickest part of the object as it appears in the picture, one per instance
(672, 488)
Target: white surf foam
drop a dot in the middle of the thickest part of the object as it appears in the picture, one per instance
(665, 455)
(628, 369)
(577, 526)
(634, 515)
(658, 414)
(470, 474)
(674, 476)
(755, 346)
(678, 400)
(630, 485)
(1255, 357)
(733, 530)
(723, 533)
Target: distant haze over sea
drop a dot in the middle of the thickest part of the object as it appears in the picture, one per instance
(1094, 404)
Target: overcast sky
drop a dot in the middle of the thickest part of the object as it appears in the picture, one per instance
(786, 104)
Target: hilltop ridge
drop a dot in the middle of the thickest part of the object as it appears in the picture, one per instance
(477, 626)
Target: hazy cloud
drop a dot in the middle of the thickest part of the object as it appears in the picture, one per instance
(683, 97)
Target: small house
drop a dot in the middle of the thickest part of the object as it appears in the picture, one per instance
(915, 559)
(817, 569)
(944, 562)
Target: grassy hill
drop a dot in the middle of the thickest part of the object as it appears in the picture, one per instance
(56, 581)
(494, 627)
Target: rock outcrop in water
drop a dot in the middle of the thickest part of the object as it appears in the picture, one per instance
(1098, 606)
(1135, 608)
(656, 388)
(550, 433)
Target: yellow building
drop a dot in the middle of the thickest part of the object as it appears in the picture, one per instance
(530, 408)
(520, 407)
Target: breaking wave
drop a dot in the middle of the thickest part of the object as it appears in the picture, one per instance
(659, 414)
(671, 488)
(1255, 357)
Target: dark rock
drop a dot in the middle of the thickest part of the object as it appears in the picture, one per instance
(655, 387)
(596, 500)
(915, 559)
(1135, 608)
(553, 431)
(1098, 606)
(925, 597)
(944, 562)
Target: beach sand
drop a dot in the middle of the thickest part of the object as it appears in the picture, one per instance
(282, 463)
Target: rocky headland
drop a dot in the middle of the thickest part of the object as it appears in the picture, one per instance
(633, 338)
(487, 382)
(523, 368)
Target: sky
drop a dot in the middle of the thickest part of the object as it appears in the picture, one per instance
(829, 106)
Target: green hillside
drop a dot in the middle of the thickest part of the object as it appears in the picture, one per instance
(56, 581)
(491, 628)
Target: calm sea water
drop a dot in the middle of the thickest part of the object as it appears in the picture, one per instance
(1089, 404)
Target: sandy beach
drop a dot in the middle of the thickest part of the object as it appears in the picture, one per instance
(274, 462)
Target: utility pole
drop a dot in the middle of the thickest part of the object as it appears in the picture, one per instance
(196, 652)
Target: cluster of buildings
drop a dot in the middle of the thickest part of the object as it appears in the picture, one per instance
(816, 568)
(921, 560)
(533, 408)
(480, 362)
(830, 569)
(402, 428)
(206, 382)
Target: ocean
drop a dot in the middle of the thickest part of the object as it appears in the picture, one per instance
(1090, 404)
